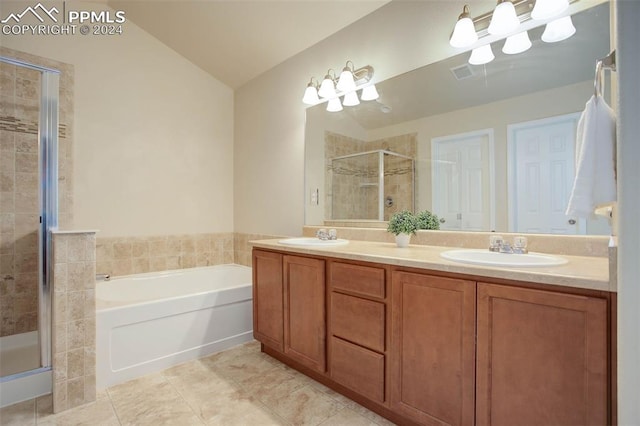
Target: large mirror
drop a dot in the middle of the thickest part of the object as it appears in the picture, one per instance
(486, 148)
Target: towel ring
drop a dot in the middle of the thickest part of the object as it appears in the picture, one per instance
(597, 85)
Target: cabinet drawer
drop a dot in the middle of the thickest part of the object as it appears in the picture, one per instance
(358, 320)
(364, 280)
(358, 369)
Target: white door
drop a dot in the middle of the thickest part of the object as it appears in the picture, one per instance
(462, 181)
(541, 167)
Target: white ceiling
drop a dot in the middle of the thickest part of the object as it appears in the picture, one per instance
(235, 41)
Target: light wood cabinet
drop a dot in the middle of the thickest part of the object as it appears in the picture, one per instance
(432, 348)
(305, 311)
(542, 358)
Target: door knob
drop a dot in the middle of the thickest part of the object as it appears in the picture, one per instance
(572, 221)
(443, 220)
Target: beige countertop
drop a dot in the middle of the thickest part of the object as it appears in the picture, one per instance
(580, 272)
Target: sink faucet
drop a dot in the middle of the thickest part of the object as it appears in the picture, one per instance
(498, 245)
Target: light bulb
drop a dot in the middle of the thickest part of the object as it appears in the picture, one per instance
(310, 95)
(558, 30)
(545, 9)
(504, 19)
(517, 43)
(327, 88)
(369, 93)
(346, 82)
(481, 55)
(351, 99)
(464, 33)
(334, 105)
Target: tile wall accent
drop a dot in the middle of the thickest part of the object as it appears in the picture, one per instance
(571, 245)
(134, 255)
(19, 179)
(242, 248)
(74, 320)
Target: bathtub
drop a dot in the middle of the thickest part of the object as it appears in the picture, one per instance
(148, 322)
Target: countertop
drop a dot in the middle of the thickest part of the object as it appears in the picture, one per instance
(584, 272)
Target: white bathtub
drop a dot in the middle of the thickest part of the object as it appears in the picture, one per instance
(148, 322)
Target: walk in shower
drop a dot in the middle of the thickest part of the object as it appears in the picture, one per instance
(371, 185)
(28, 210)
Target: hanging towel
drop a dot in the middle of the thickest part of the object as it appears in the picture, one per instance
(595, 178)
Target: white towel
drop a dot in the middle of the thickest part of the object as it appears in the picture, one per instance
(595, 179)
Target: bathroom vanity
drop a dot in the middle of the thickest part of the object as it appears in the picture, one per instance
(424, 340)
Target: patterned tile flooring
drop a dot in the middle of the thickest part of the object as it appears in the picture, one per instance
(240, 386)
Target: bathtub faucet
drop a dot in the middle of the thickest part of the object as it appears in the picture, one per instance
(103, 277)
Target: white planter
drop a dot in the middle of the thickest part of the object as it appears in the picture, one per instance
(402, 240)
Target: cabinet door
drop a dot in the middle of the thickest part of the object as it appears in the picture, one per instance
(432, 349)
(305, 311)
(268, 321)
(542, 358)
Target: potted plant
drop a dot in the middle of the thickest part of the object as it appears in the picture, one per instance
(427, 220)
(403, 224)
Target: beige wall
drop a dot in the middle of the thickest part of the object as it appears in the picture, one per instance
(153, 133)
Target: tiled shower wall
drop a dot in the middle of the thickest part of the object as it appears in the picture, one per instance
(351, 184)
(19, 180)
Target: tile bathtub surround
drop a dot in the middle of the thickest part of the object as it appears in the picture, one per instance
(74, 320)
(240, 386)
(134, 255)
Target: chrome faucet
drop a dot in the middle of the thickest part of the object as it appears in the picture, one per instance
(324, 235)
(499, 245)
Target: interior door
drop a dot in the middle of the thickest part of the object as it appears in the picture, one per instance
(462, 181)
(541, 167)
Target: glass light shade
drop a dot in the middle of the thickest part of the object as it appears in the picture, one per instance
(346, 82)
(334, 105)
(558, 30)
(545, 9)
(504, 19)
(464, 33)
(310, 95)
(517, 43)
(327, 89)
(351, 99)
(481, 55)
(369, 93)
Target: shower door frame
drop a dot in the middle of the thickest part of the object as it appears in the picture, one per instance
(48, 197)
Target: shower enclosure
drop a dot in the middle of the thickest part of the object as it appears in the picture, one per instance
(371, 185)
(28, 211)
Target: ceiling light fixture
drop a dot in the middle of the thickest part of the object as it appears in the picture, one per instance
(464, 33)
(351, 80)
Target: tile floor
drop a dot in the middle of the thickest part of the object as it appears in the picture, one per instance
(240, 386)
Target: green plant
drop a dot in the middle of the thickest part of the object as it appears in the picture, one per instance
(403, 222)
(427, 220)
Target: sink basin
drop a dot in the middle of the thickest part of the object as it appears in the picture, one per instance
(486, 257)
(312, 241)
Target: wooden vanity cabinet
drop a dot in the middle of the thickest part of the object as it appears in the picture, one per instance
(289, 306)
(541, 358)
(433, 348)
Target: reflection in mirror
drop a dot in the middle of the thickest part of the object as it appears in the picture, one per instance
(486, 148)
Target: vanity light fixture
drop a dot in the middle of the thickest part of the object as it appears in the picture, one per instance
(517, 43)
(558, 30)
(351, 80)
(481, 55)
(504, 19)
(545, 9)
(464, 33)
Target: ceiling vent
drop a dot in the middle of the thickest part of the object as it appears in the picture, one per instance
(462, 72)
